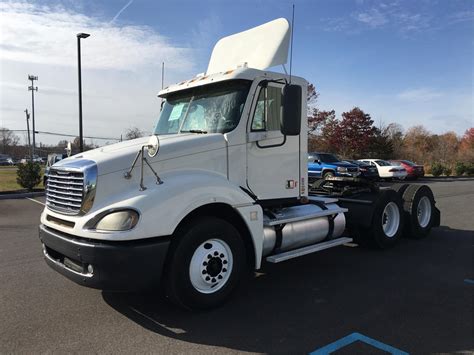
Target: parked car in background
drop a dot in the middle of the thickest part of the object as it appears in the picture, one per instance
(366, 170)
(325, 165)
(414, 171)
(386, 170)
(36, 159)
(52, 159)
(5, 160)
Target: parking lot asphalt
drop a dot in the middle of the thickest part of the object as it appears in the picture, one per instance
(416, 297)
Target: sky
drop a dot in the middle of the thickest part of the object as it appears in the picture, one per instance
(409, 62)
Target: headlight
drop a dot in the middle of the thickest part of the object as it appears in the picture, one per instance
(341, 170)
(118, 221)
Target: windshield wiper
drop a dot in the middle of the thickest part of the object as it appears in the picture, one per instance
(200, 131)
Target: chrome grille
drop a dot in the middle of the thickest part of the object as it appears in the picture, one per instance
(65, 191)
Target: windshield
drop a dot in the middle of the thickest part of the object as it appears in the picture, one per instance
(212, 108)
(408, 162)
(328, 158)
(383, 163)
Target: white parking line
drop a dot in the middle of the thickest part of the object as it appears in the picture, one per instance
(32, 199)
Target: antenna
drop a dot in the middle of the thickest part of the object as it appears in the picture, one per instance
(162, 75)
(292, 29)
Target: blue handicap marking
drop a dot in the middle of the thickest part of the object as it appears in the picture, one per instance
(352, 338)
(469, 281)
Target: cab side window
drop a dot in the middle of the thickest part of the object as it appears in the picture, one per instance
(267, 116)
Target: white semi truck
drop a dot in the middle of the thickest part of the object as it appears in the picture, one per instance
(219, 188)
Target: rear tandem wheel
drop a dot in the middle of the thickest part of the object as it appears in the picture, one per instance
(419, 209)
(387, 221)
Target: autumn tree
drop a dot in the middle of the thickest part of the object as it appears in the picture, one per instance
(417, 144)
(466, 147)
(76, 145)
(311, 100)
(323, 130)
(318, 120)
(354, 134)
(8, 140)
(444, 147)
(394, 133)
(133, 132)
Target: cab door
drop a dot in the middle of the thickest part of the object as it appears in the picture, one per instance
(273, 160)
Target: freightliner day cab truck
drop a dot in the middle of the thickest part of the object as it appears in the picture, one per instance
(220, 188)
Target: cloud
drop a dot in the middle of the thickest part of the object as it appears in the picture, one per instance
(418, 95)
(121, 70)
(336, 24)
(398, 17)
(409, 23)
(461, 16)
(41, 34)
(373, 18)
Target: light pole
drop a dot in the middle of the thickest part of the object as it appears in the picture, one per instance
(32, 88)
(28, 129)
(79, 36)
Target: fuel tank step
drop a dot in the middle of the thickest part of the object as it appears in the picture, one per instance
(277, 258)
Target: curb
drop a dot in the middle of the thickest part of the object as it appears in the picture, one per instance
(21, 195)
(446, 178)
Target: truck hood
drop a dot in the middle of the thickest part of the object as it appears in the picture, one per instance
(120, 156)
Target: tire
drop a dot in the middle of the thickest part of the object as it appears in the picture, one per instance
(328, 174)
(205, 264)
(387, 221)
(419, 208)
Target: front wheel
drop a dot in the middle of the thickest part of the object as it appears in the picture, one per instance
(328, 175)
(206, 263)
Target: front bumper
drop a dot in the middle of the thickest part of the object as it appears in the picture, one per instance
(112, 266)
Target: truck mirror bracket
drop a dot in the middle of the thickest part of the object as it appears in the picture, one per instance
(140, 154)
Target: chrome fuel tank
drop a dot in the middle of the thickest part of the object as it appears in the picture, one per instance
(305, 231)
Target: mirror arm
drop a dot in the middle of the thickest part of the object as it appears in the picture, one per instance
(128, 174)
(158, 180)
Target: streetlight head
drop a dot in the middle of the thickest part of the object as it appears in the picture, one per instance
(83, 35)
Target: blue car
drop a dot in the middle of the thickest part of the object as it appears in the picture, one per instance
(325, 165)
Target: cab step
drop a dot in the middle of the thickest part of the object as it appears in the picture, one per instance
(277, 258)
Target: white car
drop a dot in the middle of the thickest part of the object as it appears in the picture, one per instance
(36, 159)
(387, 170)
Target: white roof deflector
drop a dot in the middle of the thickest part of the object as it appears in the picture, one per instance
(260, 47)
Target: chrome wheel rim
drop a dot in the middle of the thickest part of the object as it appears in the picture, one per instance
(423, 211)
(211, 266)
(390, 219)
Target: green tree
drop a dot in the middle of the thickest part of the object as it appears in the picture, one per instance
(28, 175)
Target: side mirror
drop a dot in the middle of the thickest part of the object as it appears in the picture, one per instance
(153, 146)
(291, 118)
(69, 149)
